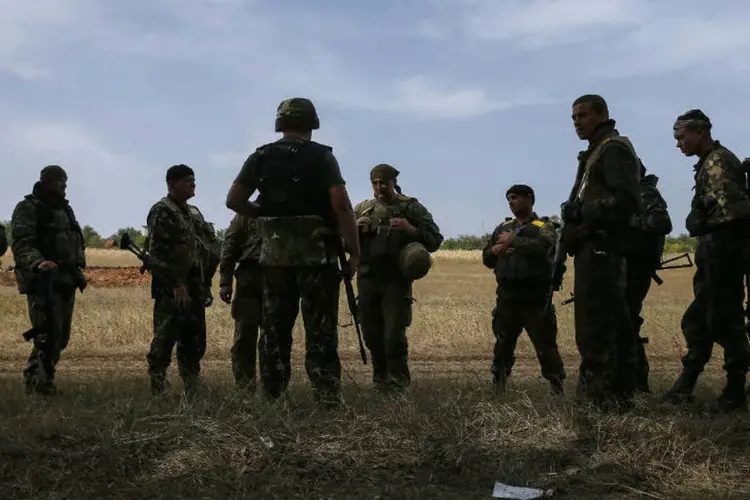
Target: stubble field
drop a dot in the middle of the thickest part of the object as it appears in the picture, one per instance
(448, 438)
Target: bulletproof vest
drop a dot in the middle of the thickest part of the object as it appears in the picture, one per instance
(585, 188)
(381, 241)
(516, 267)
(290, 181)
(48, 233)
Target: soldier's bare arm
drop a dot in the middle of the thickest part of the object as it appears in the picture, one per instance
(243, 187)
(539, 246)
(342, 207)
(23, 227)
(620, 170)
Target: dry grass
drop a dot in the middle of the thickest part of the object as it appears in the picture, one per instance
(450, 438)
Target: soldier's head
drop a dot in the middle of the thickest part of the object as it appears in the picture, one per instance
(383, 180)
(692, 131)
(181, 182)
(521, 200)
(297, 116)
(589, 112)
(53, 180)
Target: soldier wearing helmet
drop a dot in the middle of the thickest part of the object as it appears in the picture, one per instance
(302, 207)
(397, 236)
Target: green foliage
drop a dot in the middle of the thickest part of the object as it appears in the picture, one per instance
(680, 244)
(465, 242)
(91, 237)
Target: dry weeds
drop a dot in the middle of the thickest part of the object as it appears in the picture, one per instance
(449, 438)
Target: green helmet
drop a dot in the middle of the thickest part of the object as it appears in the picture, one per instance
(296, 113)
(414, 261)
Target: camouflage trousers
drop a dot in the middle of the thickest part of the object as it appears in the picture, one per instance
(509, 317)
(385, 312)
(41, 365)
(604, 333)
(317, 288)
(247, 306)
(716, 314)
(639, 276)
(184, 328)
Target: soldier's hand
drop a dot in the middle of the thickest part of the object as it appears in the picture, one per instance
(225, 294)
(402, 224)
(181, 297)
(363, 221)
(47, 265)
(352, 265)
(209, 299)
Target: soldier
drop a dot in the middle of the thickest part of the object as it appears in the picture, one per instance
(183, 259)
(719, 218)
(519, 252)
(242, 243)
(3, 241)
(48, 243)
(604, 198)
(643, 259)
(303, 211)
(394, 229)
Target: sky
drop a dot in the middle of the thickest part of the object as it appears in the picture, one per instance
(464, 97)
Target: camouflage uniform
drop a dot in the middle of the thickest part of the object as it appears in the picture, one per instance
(643, 259)
(718, 217)
(242, 243)
(41, 230)
(385, 296)
(3, 241)
(523, 281)
(293, 177)
(183, 250)
(597, 220)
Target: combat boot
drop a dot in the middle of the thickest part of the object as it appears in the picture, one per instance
(157, 384)
(557, 387)
(499, 381)
(682, 390)
(733, 397)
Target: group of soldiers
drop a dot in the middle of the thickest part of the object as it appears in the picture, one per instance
(289, 247)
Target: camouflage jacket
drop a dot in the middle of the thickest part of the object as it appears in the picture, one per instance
(607, 188)
(3, 241)
(653, 224)
(720, 198)
(380, 243)
(46, 230)
(242, 242)
(527, 265)
(182, 246)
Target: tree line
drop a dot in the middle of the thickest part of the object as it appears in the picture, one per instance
(674, 244)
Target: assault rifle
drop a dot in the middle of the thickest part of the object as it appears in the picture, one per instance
(127, 243)
(655, 276)
(558, 266)
(350, 298)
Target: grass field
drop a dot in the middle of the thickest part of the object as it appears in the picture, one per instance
(449, 438)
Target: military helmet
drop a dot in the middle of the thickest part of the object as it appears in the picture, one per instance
(414, 261)
(296, 113)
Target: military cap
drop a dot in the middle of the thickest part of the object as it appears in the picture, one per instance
(383, 172)
(177, 172)
(296, 113)
(692, 118)
(52, 173)
(521, 190)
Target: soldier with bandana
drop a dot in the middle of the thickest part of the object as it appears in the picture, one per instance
(183, 259)
(643, 259)
(719, 216)
(48, 243)
(388, 223)
(303, 211)
(519, 252)
(241, 246)
(597, 216)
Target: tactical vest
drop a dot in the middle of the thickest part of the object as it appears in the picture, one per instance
(295, 215)
(47, 231)
(584, 187)
(379, 240)
(516, 268)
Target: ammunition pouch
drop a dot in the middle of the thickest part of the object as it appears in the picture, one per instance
(385, 243)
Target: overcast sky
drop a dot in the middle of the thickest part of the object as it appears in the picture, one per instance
(465, 97)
